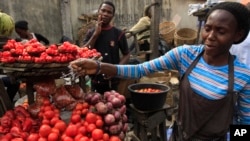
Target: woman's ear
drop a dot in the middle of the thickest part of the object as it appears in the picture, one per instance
(239, 35)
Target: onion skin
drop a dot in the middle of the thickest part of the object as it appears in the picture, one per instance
(106, 94)
(123, 109)
(116, 102)
(124, 118)
(109, 119)
(117, 115)
(110, 106)
(95, 98)
(101, 108)
(114, 129)
(122, 98)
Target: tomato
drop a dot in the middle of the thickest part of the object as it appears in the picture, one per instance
(106, 137)
(44, 130)
(6, 137)
(33, 137)
(71, 130)
(46, 102)
(55, 130)
(114, 138)
(85, 105)
(91, 127)
(47, 108)
(42, 139)
(85, 111)
(99, 123)
(45, 121)
(79, 106)
(53, 137)
(68, 139)
(61, 125)
(49, 114)
(82, 130)
(84, 138)
(75, 118)
(77, 112)
(17, 139)
(148, 90)
(54, 120)
(97, 134)
(91, 117)
(78, 137)
(78, 124)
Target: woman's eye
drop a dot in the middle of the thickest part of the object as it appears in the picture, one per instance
(207, 29)
(221, 32)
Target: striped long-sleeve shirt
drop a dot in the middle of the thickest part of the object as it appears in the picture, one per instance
(208, 81)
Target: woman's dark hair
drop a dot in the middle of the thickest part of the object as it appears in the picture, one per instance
(21, 25)
(108, 3)
(239, 11)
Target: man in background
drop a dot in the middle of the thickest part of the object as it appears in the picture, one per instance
(111, 42)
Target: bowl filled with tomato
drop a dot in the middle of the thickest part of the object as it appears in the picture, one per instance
(148, 96)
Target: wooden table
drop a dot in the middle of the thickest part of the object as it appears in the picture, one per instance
(32, 73)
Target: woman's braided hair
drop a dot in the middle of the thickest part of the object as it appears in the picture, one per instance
(239, 11)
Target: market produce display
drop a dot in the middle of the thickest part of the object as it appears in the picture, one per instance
(35, 52)
(89, 116)
(93, 117)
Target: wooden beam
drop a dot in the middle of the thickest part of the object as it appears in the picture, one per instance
(154, 32)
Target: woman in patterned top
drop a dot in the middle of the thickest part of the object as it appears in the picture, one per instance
(212, 80)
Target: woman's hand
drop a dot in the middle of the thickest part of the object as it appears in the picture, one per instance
(83, 66)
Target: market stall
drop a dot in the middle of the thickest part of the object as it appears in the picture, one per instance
(32, 62)
(58, 111)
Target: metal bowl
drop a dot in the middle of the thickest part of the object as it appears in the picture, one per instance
(148, 101)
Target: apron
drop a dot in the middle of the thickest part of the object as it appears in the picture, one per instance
(201, 119)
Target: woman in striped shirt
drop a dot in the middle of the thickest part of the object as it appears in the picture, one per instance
(212, 80)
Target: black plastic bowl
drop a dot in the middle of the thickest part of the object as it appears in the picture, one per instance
(148, 101)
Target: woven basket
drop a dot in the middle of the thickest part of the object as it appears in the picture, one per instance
(185, 36)
(167, 30)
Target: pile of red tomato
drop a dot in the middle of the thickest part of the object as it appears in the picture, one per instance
(88, 121)
(148, 90)
(35, 52)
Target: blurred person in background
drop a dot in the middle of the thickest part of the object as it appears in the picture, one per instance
(111, 42)
(142, 31)
(242, 50)
(22, 29)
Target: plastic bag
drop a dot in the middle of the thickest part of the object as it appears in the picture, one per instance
(62, 98)
(75, 90)
(45, 88)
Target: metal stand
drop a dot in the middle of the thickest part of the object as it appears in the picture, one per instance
(149, 124)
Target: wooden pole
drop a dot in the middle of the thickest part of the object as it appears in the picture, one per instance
(154, 32)
(66, 18)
